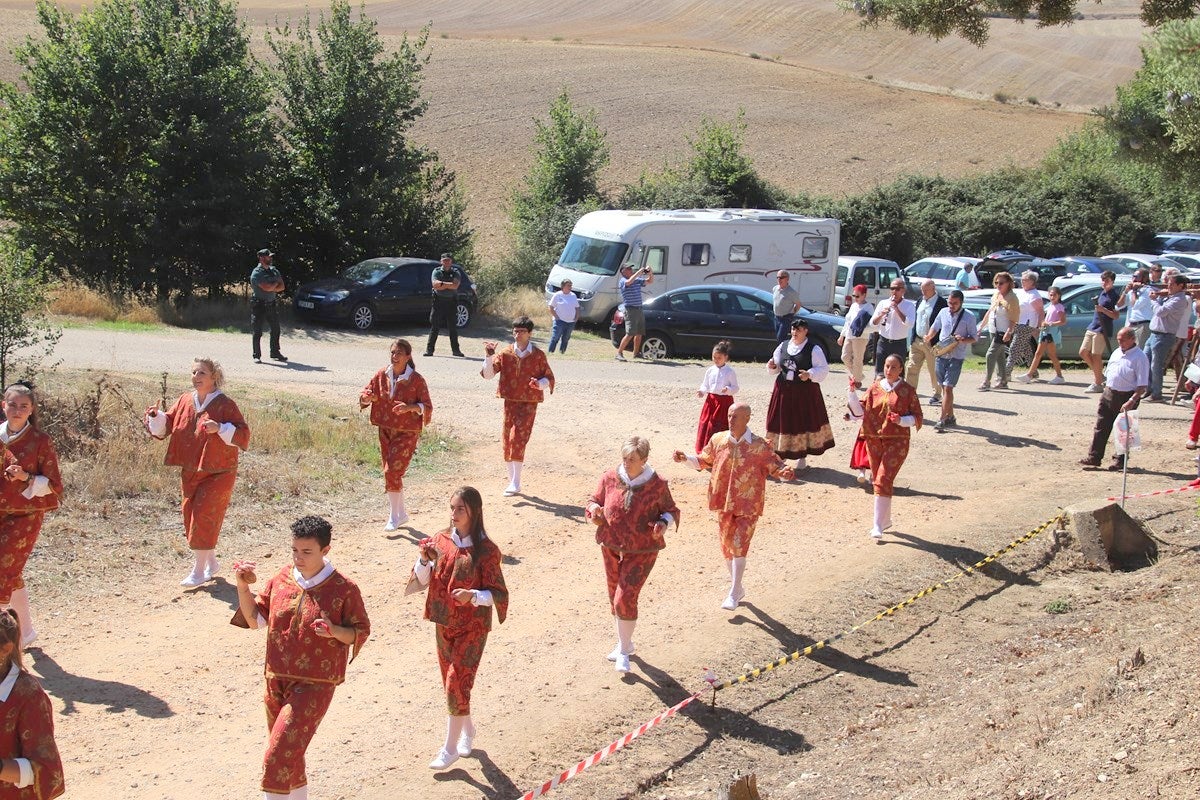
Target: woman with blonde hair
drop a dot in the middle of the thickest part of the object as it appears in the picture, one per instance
(32, 486)
(1000, 320)
(30, 767)
(206, 430)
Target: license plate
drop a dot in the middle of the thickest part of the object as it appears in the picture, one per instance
(306, 304)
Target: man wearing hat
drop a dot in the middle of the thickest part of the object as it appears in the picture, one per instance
(446, 280)
(267, 284)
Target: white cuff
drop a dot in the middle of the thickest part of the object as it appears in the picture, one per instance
(543, 383)
(483, 597)
(157, 425)
(422, 407)
(667, 518)
(907, 421)
(26, 769)
(489, 368)
(422, 571)
(226, 432)
(261, 621)
(693, 462)
(38, 487)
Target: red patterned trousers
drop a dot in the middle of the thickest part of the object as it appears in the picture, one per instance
(459, 652)
(626, 574)
(518, 426)
(886, 456)
(294, 710)
(18, 535)
(736, 533)
(206, 497)
(397, 448)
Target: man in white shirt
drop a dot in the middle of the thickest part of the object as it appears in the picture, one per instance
(1126, 378)
(1138, 305)
(894, 317)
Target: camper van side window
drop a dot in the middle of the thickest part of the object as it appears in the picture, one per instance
(814, 247)
(739, 253)
(695, 255)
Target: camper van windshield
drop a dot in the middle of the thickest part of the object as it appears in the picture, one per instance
(594, 256)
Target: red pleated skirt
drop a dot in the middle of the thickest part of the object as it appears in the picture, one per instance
(714, 417)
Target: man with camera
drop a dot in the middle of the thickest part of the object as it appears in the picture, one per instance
(630, 285)
(446, 280)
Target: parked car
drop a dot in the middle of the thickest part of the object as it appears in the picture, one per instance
(876, 274)
(691, 319)
(1135, 261)
(1079, 301)
(1178, 241)
(1190, 261)
(942, 270)
(1015, 263)
(384, 289)
(1090, 265)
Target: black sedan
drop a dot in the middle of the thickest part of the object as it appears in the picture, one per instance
(691, 319)
(384, 289)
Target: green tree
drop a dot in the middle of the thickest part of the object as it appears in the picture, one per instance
(719, 160)
(562, 185)
(26, 336)
(969, 18)
(136, 157)
(349, 183)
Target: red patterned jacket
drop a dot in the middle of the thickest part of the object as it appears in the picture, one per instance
(34, 451)
(630, 513)
(384, 413)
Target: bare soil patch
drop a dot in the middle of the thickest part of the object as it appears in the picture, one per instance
(974, 691)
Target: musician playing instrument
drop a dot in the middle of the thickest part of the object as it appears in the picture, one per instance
(955, 331)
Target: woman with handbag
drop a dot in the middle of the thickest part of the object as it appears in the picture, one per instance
(856, 332)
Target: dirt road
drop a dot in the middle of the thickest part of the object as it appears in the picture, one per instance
(158, 697)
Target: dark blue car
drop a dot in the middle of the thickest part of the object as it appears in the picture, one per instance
(385, 289)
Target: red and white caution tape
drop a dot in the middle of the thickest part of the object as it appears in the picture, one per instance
(1185, 488)
(596, 757)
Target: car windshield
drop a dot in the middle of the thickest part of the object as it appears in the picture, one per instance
(593, 256)
(368, 272)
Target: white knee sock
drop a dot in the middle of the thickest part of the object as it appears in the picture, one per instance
(208, 560)
(516, 473)
(737, 570)
(276, 796)
(883, 512)
(508, 465)
(299, 794)
(729, 566)
(20, 604)
(625, 634)
(454, 729)
(397, 514)
(801, 463)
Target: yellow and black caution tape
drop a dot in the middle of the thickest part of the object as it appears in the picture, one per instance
(928, 590)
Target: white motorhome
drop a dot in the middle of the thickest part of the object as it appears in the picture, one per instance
(698, 246)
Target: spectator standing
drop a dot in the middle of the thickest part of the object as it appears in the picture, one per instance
(1138, 302)
(1095, 340)
(894, 316)
(856, 332)
(999, 321)
(446, 279)
(267, 284)
(564, 311)
(1032, 309)
(1172, 310)
(968, 278)
(922, 352)
(786, 301)
(1128, 375)
(630, 285)
(1049, 339)
(954, 326)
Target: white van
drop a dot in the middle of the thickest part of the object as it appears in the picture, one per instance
(698, 246)
(876, 274)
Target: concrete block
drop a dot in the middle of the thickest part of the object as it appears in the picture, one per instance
(1107, 537)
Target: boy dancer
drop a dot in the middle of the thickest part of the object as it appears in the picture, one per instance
(524, 377)
(740, 463)
(315, 620)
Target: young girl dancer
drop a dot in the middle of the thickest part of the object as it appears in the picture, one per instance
(400, 406)
(32, 486)
(461, 568)
(207, 431)
(718, 388)
(30, 768)
(316, 624)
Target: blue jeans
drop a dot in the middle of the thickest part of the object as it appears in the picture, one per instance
(560, 330)
(1158, 350)
(783, 327)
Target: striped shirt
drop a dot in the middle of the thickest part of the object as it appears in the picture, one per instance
(631, 291)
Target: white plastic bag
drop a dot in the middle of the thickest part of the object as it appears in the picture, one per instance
(1126, 433)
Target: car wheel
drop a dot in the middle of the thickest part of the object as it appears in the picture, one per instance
(462, 315)
(656, 346)
(362, 317)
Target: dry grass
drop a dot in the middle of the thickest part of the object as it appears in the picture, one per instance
(227, 312)
(513, 303)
